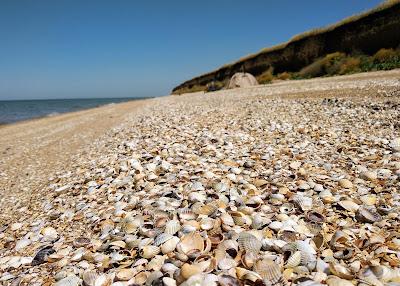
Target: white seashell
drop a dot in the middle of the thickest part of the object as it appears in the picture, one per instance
(395, 144)
(149, 251)
(89, 277)
(162, 238)
(125, 274)
(249, 243)
(275, 225)
(349, 205)
(170, 245)
(172, 227)
(22, 244)
(69, 281)
(49, 233)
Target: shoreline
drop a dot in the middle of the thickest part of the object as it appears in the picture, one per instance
(54, 114)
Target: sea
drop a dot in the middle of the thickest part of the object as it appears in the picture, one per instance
(17, 110)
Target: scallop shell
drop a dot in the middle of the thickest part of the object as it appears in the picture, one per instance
(172, 227)
(269, 271)
(207, 223)
(249, 243)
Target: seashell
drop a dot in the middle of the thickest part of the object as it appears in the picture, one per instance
(118, 244)
(315, 217)
(367, 215)
(349, 205)
(230, 247)
(125, 274)
(71, 280)
(141, 277)
(269, 271)
(240, 219)
(172, 227)
(249, 243)
(344, 183)
(248, 259)
(227, 219)
(206, 261)
(287, 208)
(206, 223)
(170, 245)
(326, 196)
(385, 273)
(244, 274)
(49, 233)
(226, 263)
(149, 251)
(227, 280)
(335, 281)
(188, 270)
(187, 214)
(191, 244)
(395, 144)
(41, 255)
(276, 199)
(156, 263)
(275, 225)
(344, 254)
(294, 259)
(197, 197)
(89, 277)
(22, 243)
(162, 238)
(340, 271)
(15, 226)
(81, 242)
(369, 200)
(303, 202)
(368, 175)
(167, 281)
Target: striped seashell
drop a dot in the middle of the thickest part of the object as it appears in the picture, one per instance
(89, 277)
(170, 245)
(71, 280)
(249, 242)
(294, 259)
(269, 271)
(245, 274)
(149, 251)
(208, 209)
(187, 214)
(303, 202)
(172, 227)
(162, 238)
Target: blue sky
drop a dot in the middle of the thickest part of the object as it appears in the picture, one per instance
(117, 48)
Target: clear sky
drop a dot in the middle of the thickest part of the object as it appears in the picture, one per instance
(119, 48)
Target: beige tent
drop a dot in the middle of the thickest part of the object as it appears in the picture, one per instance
(241, 79)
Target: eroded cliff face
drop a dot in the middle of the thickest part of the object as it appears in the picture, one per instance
(379, 28)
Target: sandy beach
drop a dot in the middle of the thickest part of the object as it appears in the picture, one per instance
(66, 177)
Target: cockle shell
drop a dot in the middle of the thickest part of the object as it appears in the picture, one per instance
(249, 243)
(239, 218)
(170, 245)
(125, 274)
(149, 251)
(162, 238)
(303, 202)
(172, 227)
(71, 280)
(89, 277)
(269, 271)
(191, 243)
(227, 219)
(294, 259)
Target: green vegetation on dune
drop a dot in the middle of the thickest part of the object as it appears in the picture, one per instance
(365, 42)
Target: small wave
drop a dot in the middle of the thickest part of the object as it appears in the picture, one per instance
(53, 114)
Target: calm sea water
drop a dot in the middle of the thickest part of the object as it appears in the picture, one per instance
(17, 110)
